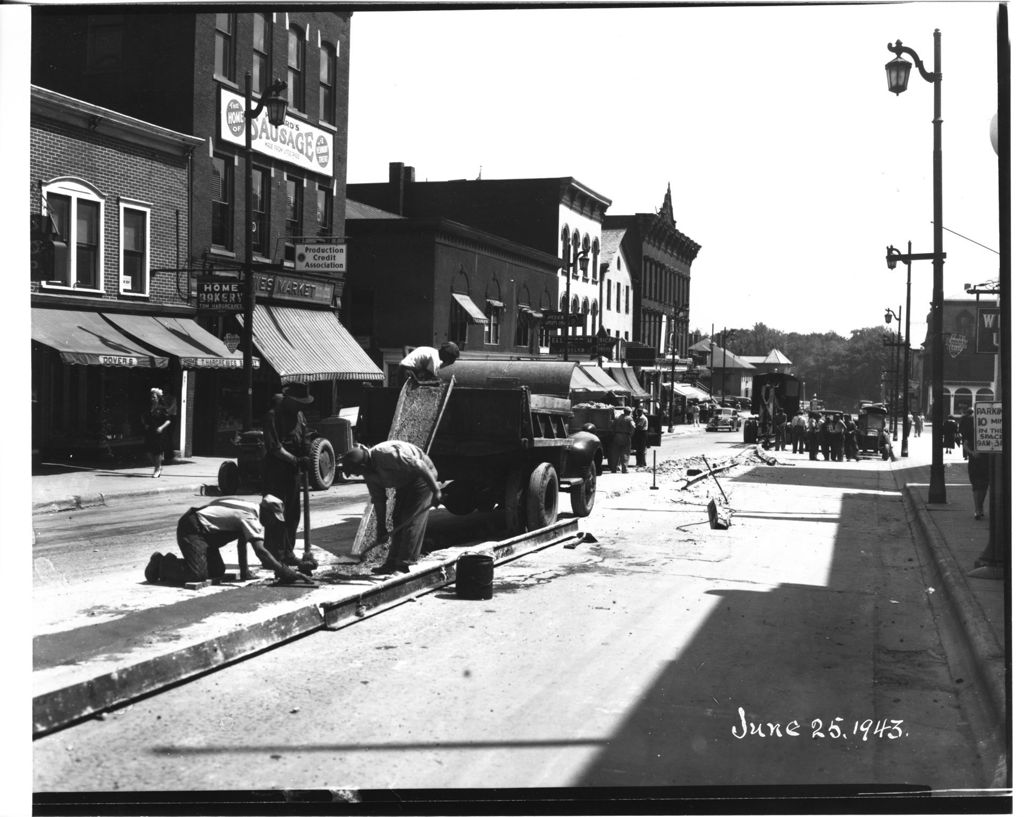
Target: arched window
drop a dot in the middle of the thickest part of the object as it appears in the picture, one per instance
(77, 211)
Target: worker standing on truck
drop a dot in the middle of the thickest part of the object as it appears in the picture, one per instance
(287, 453)
(622, 440)
(424, 362)
(406, 468)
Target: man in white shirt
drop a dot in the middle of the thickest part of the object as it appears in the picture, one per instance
(424, 362)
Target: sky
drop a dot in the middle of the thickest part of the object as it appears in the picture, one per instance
(789, 160)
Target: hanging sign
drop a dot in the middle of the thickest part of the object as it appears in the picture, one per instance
(294, 141)
(988, 331)
(219, 293)
(320, 257)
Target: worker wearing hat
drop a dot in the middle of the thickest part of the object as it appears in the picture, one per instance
(202, 532)
(424, 362)
(406, 468)
(286, 441)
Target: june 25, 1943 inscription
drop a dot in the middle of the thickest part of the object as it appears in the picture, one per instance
(838, 728)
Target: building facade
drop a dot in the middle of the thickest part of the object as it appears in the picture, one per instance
(423, 281)
(558, 216)
(970, 341)
(110, 319)
(191, 72)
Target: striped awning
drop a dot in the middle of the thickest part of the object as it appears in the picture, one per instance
(86, 339)
(182, 338)
(626, 378)
(306, 345)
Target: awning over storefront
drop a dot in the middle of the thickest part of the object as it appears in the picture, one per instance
(308, 344)
(592, 379)
(690, 392)
(470, 308)
(182, 338)
(626, 378)
(86, 339)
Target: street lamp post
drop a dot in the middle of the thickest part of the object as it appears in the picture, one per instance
(276, 106)
(889, 315)
(897, 73)
(892, 257)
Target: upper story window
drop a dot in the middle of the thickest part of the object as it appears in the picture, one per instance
(77, 213)
(627, 299)
(224, 45)
(327, 72)
(296, 68)
(492, 329)
(585, 258)
(134, 248)
(222, 195)
(293, 206)
(262, 51)
(103, 44)
(324, 210)
(261, 211)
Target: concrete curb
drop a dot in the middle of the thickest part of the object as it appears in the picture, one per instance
(56, 708)
(77, 502)
(981, 639)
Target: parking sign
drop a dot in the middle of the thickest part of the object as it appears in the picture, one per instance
(988, 428)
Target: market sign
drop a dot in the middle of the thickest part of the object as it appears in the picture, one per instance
(583, 345)
(988, 428)
(320, 257)
(287, 288)
(988, 331)
(295, 141)
(219, 293)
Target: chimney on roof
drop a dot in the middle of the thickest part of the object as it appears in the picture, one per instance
(400, 178)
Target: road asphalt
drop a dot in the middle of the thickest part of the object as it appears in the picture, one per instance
(82, 670)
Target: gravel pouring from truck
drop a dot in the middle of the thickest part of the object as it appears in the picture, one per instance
(504, 441)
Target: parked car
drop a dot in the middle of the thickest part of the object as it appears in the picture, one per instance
(723, 419)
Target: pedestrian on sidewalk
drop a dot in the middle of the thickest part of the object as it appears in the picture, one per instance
(406, 468)
(640, 436)
(622, 439)
(977, 463)
(286, 442)
(202, 532)
(155, 423)
(949, 434)
(918, 424)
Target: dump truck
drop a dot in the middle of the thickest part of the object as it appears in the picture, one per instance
(504, 441)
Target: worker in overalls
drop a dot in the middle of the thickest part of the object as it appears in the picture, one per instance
(406, 468)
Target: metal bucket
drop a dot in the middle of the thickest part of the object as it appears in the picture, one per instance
(474, 576)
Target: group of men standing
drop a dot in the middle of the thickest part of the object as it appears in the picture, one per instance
(833, 435)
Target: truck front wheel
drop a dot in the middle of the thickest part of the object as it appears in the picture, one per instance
(582, 495)
(321, 464)
(542, 497)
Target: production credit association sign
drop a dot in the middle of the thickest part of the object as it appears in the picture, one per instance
(320, 257)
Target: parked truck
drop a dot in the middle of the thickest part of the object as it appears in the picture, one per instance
(504, 441)
(773, 392)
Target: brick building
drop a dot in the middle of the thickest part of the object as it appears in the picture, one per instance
(188, 71)
(970, 339)
(109, 318)
(557, 216)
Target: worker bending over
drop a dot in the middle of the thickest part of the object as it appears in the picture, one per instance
(202, 532)
(424, 362)
(406, 468)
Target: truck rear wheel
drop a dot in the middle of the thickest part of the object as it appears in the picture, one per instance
(542, 497)
(582, 495)
(515, 514)
(321, 464)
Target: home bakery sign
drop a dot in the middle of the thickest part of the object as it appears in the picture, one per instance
(295, 141)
